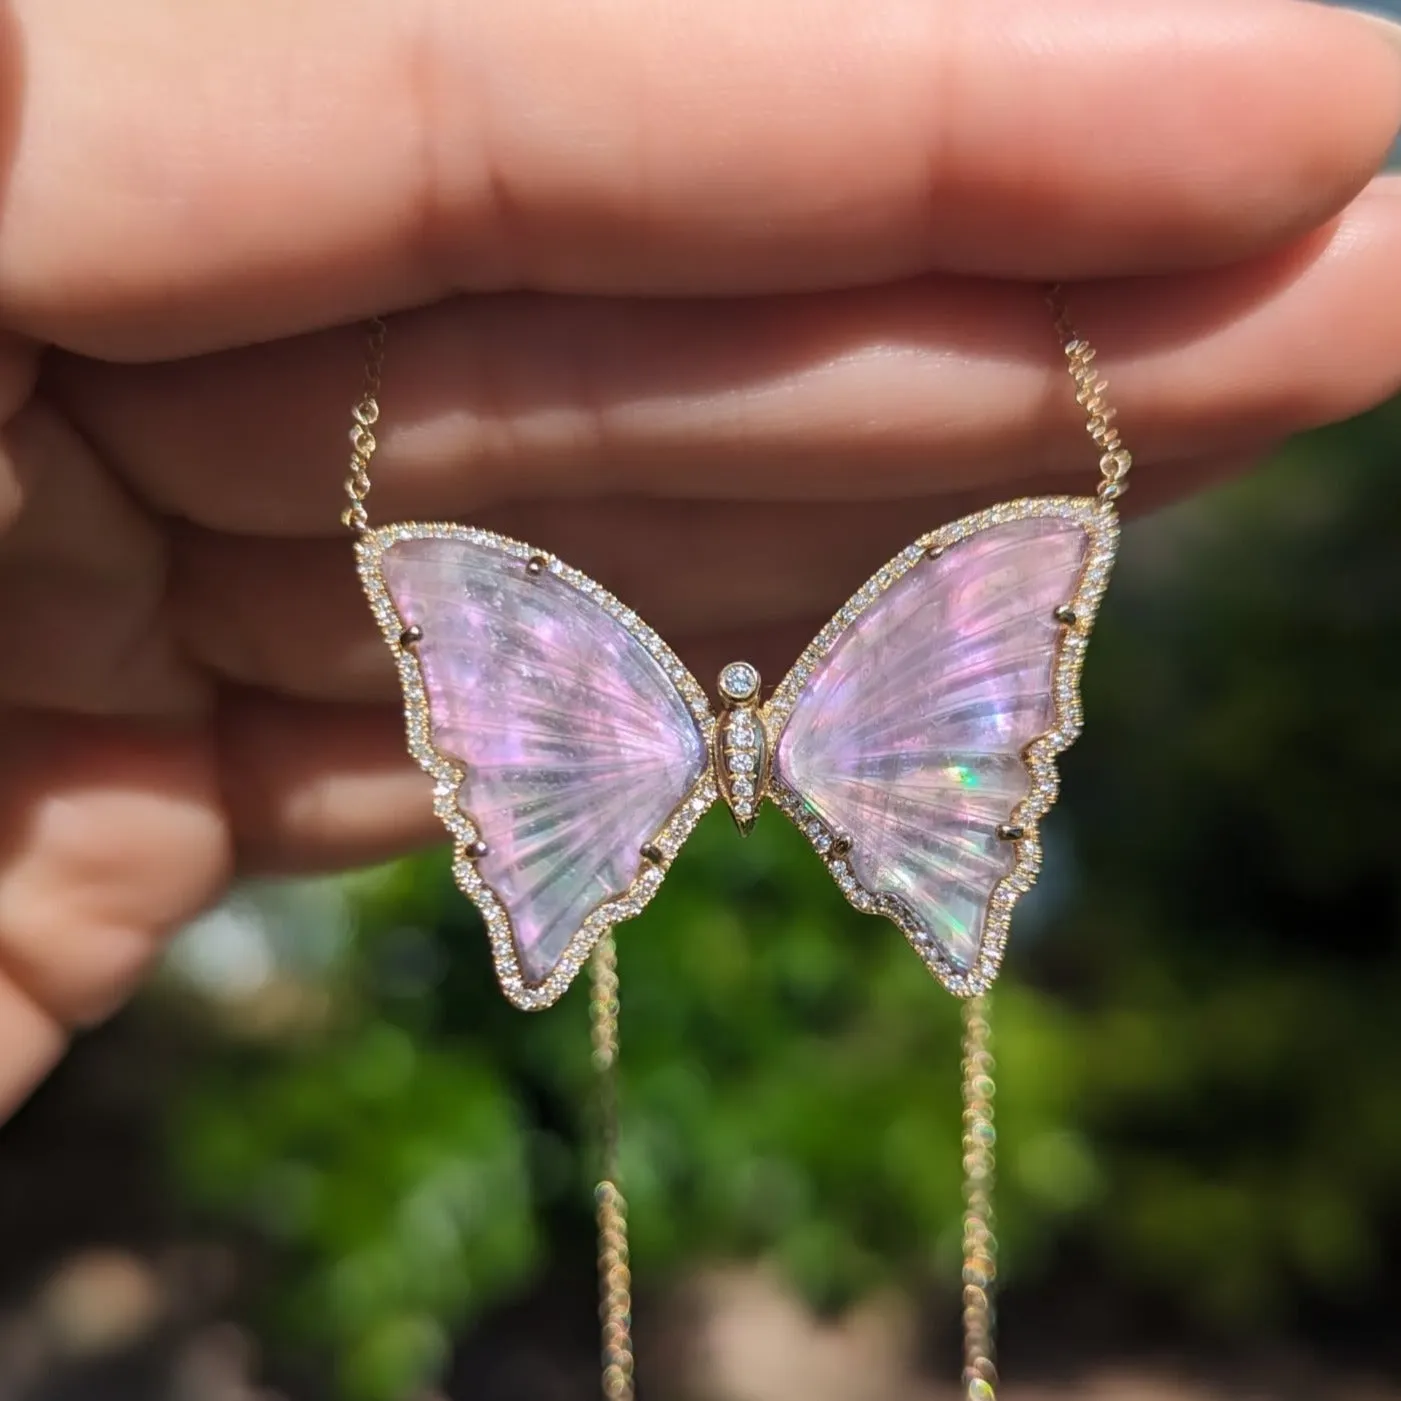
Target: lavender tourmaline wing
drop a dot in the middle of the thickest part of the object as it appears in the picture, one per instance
(908, 736)
(575, 744)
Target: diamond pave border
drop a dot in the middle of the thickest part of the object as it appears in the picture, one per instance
(1100, 522)
(448, 777)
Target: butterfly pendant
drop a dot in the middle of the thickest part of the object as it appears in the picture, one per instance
(913, 742)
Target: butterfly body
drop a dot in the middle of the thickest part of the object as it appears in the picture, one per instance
(741, 750)
(913, 742)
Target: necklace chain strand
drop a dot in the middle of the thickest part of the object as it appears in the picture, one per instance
(611, 1209)
(979, 1134)
(364, 416)
(979, 1166)
(1115, 460)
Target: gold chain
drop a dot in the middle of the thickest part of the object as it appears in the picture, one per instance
(979, 1134)
(979, 1241)
(1115, 460)
(614, 1270)
(364, 416)
(1114, 463)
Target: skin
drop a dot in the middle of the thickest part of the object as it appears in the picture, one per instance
(665, 284)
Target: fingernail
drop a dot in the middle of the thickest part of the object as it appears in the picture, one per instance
(1387, 26)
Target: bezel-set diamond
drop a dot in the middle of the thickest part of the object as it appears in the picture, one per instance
(739, 682)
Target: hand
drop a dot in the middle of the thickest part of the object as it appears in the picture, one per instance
(723, 303)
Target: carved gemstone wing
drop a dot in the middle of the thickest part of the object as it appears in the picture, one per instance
(577, 736)
(907, 737)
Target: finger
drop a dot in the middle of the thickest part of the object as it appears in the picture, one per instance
(244, 170)
(320, 787)
(110, 839)
(899, 391)
(316, 786)
(289, 616)
(82, 584)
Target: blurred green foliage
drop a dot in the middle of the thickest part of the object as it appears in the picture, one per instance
(1196, 1036)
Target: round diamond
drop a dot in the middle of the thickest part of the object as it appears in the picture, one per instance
(739, 682)
(743, 763)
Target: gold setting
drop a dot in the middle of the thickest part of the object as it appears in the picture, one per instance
(449, 777)
(1099, 520)
(594, 938)
(738, 684)
(741, 755)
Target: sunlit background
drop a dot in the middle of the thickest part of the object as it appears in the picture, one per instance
(321, 1158)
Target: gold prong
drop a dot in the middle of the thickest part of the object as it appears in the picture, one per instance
(1011, 832)
(1066, 615)
(411, 637)
(477, 849)
(536, 566)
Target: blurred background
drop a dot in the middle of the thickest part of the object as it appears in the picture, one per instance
(321, 1159)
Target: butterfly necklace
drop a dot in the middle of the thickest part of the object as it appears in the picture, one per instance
(913, 743)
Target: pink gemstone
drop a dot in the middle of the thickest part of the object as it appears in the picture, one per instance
(908, 737)
(576, 745)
